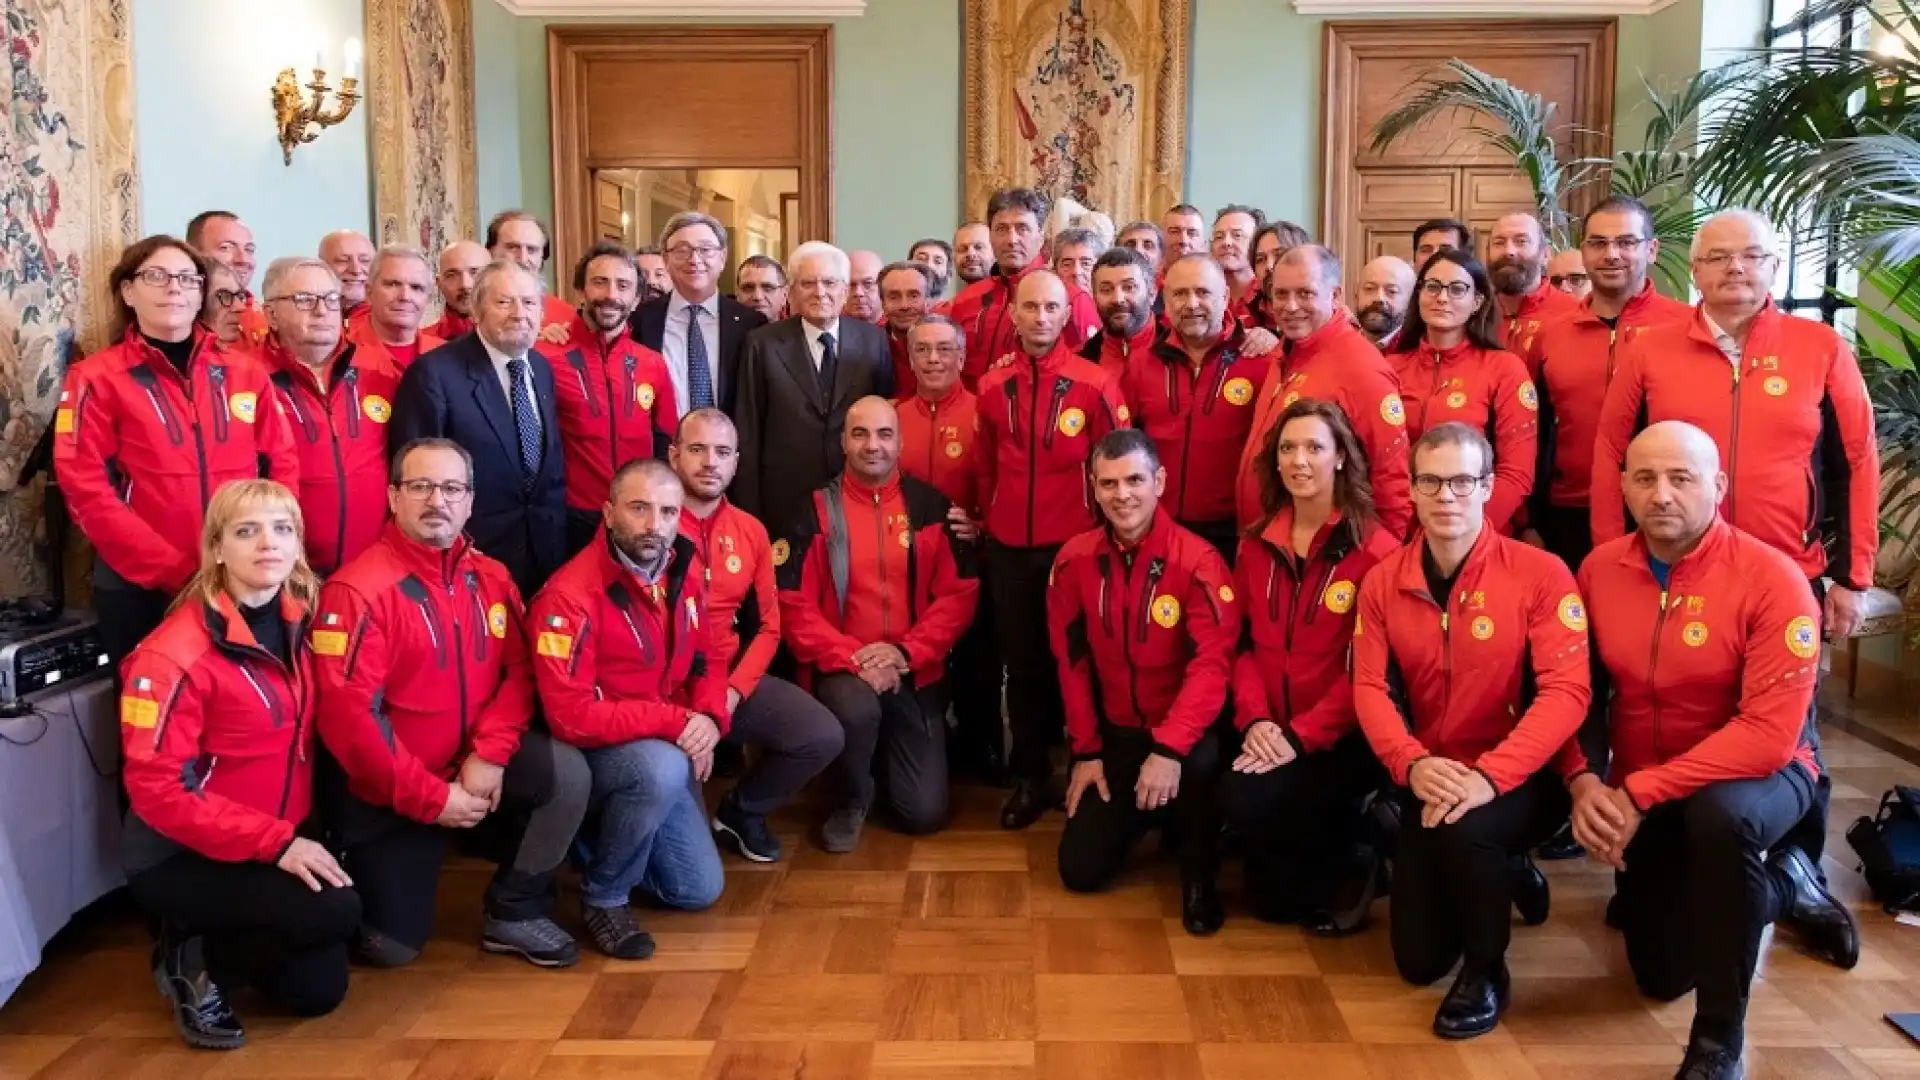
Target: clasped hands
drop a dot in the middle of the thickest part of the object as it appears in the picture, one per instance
(880, 665)
(1604, 819)
(1447, 790)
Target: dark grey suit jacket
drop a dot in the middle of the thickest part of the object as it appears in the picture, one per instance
(789, 434)
(648, 325)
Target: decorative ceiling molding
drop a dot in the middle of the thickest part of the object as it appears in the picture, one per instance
(1527, 8)
(689, 9)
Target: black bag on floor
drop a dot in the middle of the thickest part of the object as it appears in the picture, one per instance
(1888, 844)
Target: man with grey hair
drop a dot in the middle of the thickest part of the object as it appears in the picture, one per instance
(518, 237)
(698, 331)
(797, 378)
(907, 292)
(1074, 252)
(397, 298)
(350, 254)
(863, 287)
(494, 395)
(1146, 238)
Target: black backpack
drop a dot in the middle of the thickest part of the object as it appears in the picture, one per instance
(1888, 844)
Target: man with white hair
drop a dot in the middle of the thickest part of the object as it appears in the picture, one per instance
(397, 298)
(350, 254)
(795, 381)
(1784, 402)
(697, 330)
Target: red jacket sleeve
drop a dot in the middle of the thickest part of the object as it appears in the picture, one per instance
(813, 638)
(1386, 727)
(564, 673)
(1083, 319)
(504, 717)
(1776, 690)
(351, 671)
(1859, 539)
(956, 598)
(161, 716)
(1557, 649)
(1516, 441)
(1625, 394)
(986, 452)
(1382, 420)
(755, 655)
(1213, 626)
(1067, 633)
(1249, 689)
(84, 442)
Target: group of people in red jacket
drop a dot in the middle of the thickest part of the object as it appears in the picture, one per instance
(1263, 580)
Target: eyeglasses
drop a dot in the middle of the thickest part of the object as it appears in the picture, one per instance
(704, 252)
(422, 490)
(228, 297)
(1626, 244)
(1429, 485)
(305, 301)
(922, 349)
(159, 276)
(1561, 280)
(1457, 290)
(1720, 260)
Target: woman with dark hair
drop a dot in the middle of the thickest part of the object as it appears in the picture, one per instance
(148, 429)
(216, 723)
(1452, 368)
(1296, 788)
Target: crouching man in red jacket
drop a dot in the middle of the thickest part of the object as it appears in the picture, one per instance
(1709, 645)
(426, 702)
(1143, 622)
(1469, 675)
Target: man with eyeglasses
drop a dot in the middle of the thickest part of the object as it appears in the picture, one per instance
(460, 266)
(761, 284)
(426, 708)
(984, 309)
(350, 254)
(1567, 271)
(225, 305)
(223, 236)
(338, 397)
(907, 292)
(518, 237)
(1517, 266)
(1783, 399)
(699, 331)
(1469, 676)
(397, 297)
(493, 393)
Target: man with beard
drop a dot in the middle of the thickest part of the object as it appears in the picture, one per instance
(460, 266)
(1145, 238)
(972, 253)
(938, 255)
(1517, 266)
(1125, 295)
(863, 287)
(655, 282)
(761, 284)
(874, 592)
(907, 291)
(1193, 393)
(396, 301)
(1184, 232)
(626, 674)
(1567, 271)
(1386, 288)
(1233, 231)
(350, 254)
(985, 309)
(1074, 253)
(614, 397)
(520, 238)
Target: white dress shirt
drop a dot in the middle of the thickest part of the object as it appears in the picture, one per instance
(500, 362)
(813, 340)
(673, 345)
(1728, 347)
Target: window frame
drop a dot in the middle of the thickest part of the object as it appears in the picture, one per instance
(1829, 304)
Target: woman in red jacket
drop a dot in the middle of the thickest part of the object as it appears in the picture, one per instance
(216, 725)
(1295, 790)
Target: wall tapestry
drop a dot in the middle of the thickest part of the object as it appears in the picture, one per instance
(420, 86)
(1086, 98)
(68, 205)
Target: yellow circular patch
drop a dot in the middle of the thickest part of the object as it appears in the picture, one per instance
(1457, 399)
(1775, 385)
(1529, 396)
(1392, 411)
(780, 551)
(1226, 594)
(1166, 611)
(241, 405)
(497, 620)
(906, 539)
(377, 408)
(1071, 421)
(1695, 634)
(643, 395)
(954, 449)
(1803, 638)
(1573, 613)
(1339, 597)
(1292, 396)
(1237, 391)
(1123, 415)
(1481, 628)
(733, 564)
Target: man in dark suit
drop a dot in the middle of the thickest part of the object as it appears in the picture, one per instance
(703, 364)
(796, 379)
(493, 394)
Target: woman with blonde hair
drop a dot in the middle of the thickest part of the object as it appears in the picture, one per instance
(216, 724)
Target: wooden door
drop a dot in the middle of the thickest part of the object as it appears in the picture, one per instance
(1373, 201)
(687, 97)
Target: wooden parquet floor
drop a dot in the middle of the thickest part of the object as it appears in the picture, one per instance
(960, 956)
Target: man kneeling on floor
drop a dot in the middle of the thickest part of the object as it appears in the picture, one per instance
(622, 661)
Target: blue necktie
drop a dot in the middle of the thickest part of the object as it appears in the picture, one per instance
(524, 424)
(699, 378)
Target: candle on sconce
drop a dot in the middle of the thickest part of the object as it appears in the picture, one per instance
(353, 58)
(319, 60)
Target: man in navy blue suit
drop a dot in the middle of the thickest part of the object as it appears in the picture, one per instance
(493, 394)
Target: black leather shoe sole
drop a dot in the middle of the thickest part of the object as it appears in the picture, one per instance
(1026, 805)
(192, 1033)
(1832, 934)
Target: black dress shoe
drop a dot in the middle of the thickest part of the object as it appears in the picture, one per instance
(1562, 846)
(1200, 909)
(1474, 1004)
(1707, 1060)
(1823, 923)
(1029, 800)
(200, 1011)
(1352, 906)
(1531, 897)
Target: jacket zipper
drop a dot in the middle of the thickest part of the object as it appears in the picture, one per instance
(294, 752)
(1155, 568)
(1733, 444)
(1653, 660)
(217, 384)
(933, 435)
(880, 552)
(352, 379)
(1033, 449)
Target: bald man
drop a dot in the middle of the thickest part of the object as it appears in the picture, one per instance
(863, 287)
(1709, 648)
(460, 266)
(351, 255)
(1386, 288)
(874, 592)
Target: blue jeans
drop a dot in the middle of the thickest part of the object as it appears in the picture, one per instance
(653, 831)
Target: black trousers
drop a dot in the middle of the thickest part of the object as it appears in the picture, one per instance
(1223, 535)
(127, 615)
(975, 674)
(907, 730)
(1100, 835)
(1453, 884)
(395, 861)
(1697, 893)
(1301, 824)
(260, 924)
(1017, 580)
(1567, 531)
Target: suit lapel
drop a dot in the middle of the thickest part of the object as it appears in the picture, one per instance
(730, 333)
(799, 356)
(492, 398)
(843, 372)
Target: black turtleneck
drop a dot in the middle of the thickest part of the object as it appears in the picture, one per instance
(1439, 585)
(178, 353)
(269, 629)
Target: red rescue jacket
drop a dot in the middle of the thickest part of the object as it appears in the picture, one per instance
(1039, 419)
(1144, 636)
(1489, 391)
(1712, 676)
(341, 433)
(984, 312)
(361, 333)
(1793, 424)
(875, 564)
(1494, 676)
(1114, 353)
(904, 380)
(139, 449)
(1538, 309)
(937, 440)
(450, 325)
(422, 660)
(618, 659)
(1198, 418)
(1292, 667)
(743, 603)
(217, 733)
(615, 402)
